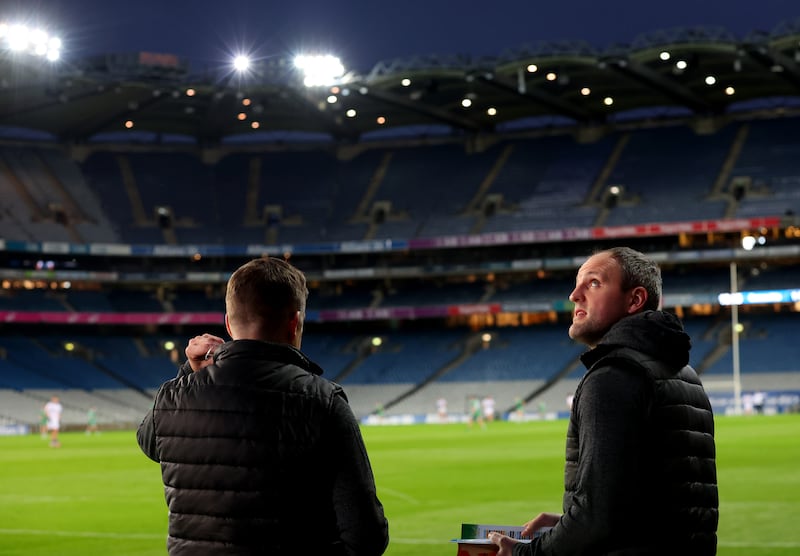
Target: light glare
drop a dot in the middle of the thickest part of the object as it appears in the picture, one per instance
(319, 71)
(20, 38)
(17, 37)
(241, 63)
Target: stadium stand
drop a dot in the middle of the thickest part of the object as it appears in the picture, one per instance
(307, 196)
(423, 242)
(688, 165)
(766, 176)
(547, 183)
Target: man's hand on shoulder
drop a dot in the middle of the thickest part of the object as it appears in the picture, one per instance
(200, 350)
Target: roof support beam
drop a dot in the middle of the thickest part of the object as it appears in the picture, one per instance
(773, 59)
(436, 113)
(550, 102)
(110, 120)
(669, 88)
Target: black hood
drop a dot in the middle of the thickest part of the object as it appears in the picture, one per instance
(655, 333)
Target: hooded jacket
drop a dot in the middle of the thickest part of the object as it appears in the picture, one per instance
(640, 474)
(260, 455)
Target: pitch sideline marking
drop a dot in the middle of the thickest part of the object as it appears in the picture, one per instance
(398, 494)
(104, 535)
(86, 534)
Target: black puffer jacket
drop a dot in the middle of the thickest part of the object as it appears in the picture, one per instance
(259, 455)
(640, 475)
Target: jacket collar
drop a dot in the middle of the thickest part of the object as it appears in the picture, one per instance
(655, 333)
(268, 351)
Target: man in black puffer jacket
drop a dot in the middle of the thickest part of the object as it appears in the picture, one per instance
(259, 454)
(640, 475)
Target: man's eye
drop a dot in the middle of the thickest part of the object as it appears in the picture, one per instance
(594, 283)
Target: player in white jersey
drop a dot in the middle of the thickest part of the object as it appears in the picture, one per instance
(441, 408)
(488, 408)
(53, 410)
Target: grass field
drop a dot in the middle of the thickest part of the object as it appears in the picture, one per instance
(99, 495)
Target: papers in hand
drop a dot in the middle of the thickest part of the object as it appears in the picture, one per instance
(474, 539)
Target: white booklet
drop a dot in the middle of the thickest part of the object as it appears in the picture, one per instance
(476, 534)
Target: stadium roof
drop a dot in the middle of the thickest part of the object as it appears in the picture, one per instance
(703, 72)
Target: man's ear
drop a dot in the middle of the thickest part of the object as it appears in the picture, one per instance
(638, 299)
(228, 327)
(295, 329)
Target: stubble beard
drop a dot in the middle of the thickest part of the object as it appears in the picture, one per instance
(586, 332)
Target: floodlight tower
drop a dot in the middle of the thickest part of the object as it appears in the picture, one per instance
(21, 39)
(319, 70)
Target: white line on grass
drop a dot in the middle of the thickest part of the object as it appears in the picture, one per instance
(774, 544)
(398, 494)
(28, 499)
(83, 534)
(106, 535)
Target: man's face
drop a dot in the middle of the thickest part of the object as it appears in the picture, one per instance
(599, 299)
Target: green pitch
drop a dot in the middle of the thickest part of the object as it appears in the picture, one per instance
(98, 495)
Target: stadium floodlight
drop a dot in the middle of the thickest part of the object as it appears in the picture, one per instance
(241, 63)
(319, 71)
(19, 38)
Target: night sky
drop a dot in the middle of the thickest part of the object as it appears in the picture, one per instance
(364, 32)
